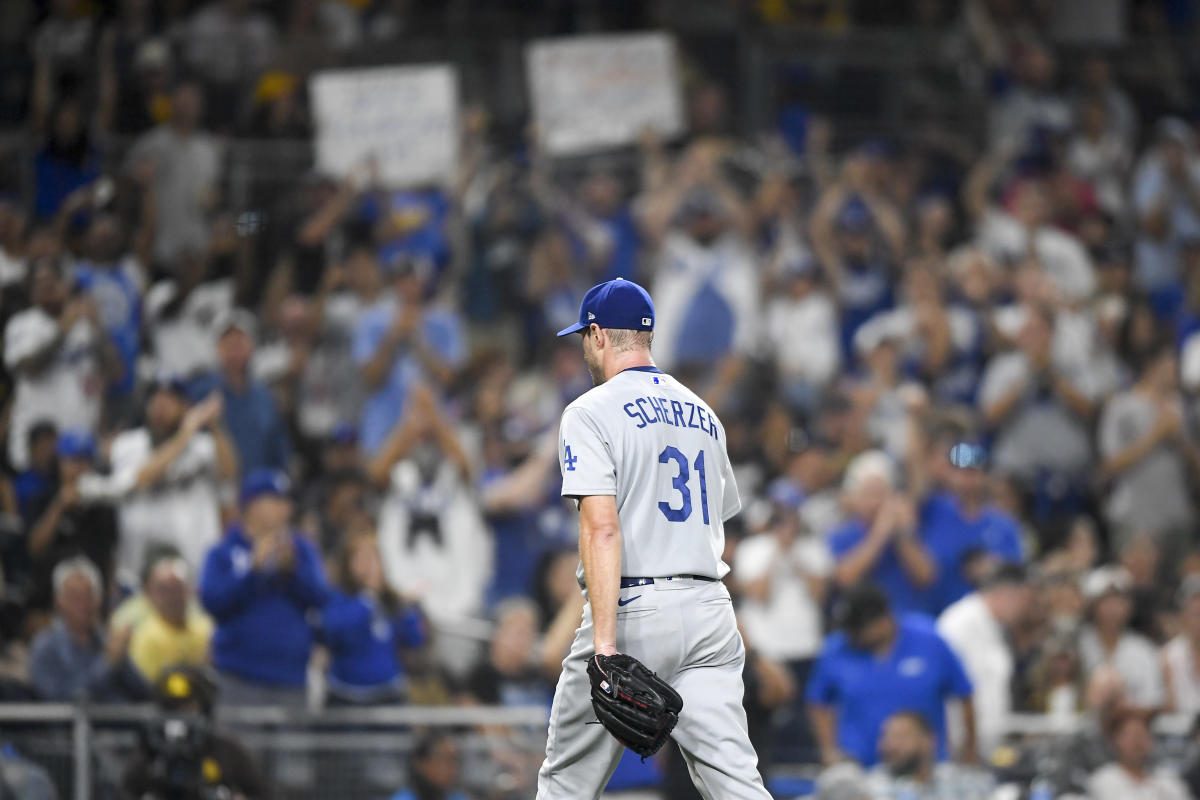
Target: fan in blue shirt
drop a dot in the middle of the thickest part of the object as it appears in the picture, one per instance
(115, 283)
(251, 415)
(364, 628)
(259, 584)
(880, 542)
(877, 665)
(958, 524)
(399, 342)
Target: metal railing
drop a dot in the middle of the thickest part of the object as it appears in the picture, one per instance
(361, 752)
(355, 753)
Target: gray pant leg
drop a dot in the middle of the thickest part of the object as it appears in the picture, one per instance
(712, 732)
(580, 758)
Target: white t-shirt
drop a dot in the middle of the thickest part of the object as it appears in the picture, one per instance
(1111, 782)
(787, 626)
(66, 391)
(1061, 255)
(434, 542)
(1104, 163)
(1135, 659)
(182, 509)
(660, 450)
(802, 337)
(1183, 675)
(978, 639)
(186, 343)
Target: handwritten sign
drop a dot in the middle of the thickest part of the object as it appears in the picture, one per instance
(593, 92)
(406, 117)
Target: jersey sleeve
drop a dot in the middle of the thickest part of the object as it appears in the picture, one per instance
(584, 456)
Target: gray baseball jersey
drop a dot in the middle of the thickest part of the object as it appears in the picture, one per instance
(660, 450)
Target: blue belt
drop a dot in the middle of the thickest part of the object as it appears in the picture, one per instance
(627, 583)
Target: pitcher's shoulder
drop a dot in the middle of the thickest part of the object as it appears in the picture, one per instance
(590, 404)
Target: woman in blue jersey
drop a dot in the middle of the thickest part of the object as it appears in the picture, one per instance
(364, 626)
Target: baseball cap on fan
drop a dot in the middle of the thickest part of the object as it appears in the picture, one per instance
(614, 304)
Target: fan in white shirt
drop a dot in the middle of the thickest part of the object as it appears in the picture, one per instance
(1027, 232)
(181, 314)
(1106, 639)
(1181, 655)
(975, 628)
(433, 540)
(784, 573)
(166, 479)
(55, 354)
(801, 333)
(1132, 773)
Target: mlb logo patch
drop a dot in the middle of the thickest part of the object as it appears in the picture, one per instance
(647, 321)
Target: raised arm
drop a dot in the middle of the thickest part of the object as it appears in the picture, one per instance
(822, 231)
(861, 559)
(522, 487)
(161, 459)
(915, 560)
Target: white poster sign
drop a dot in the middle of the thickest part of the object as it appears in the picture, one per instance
(405, 117)
(593, 92)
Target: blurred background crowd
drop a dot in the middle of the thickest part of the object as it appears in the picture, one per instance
(277, 438)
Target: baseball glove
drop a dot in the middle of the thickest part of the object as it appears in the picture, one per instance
(636, 706)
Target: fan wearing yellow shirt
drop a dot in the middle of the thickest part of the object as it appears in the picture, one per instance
(175, 632)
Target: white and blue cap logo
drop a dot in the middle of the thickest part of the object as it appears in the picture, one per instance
(615, 304)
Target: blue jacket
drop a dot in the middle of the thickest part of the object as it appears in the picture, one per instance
(262, 632)
(363, 640)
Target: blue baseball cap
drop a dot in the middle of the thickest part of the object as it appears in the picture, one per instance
(76, 443)
(263, 481)
(615, 304)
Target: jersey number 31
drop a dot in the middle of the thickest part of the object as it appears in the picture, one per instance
(680, 484)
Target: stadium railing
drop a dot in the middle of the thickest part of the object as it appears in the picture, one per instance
(348, 753)
(361, 753)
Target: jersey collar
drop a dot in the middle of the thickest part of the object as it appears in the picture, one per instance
(648, 368)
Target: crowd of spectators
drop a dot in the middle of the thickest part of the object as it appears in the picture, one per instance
(312, 445)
